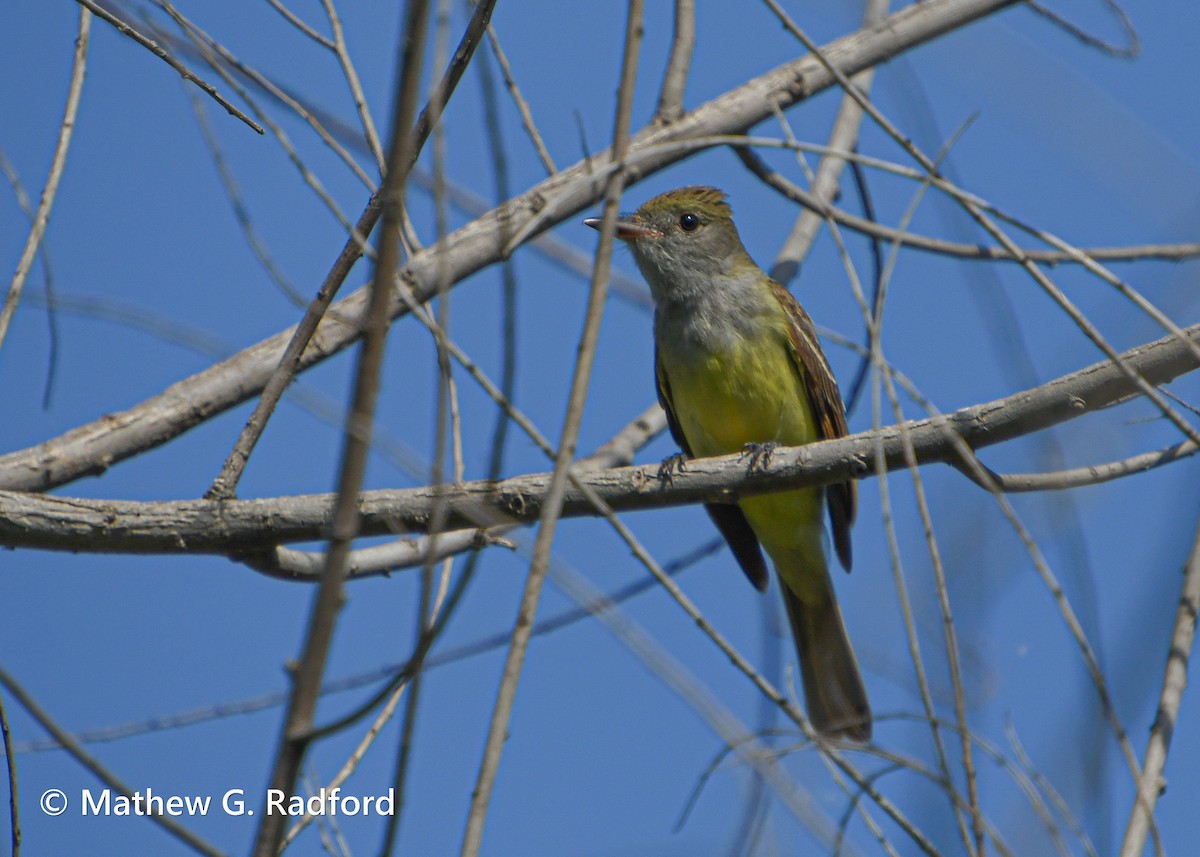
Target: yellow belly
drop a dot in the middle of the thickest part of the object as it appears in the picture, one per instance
(751, 393)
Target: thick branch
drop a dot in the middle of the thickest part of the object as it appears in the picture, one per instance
(246, 526)
(92, 448)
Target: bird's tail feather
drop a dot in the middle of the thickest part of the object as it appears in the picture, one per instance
(834, 693)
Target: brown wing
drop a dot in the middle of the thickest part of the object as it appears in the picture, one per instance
(828, 412)
(727, 517)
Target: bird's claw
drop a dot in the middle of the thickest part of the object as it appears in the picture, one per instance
(759, 454)
(671, 465)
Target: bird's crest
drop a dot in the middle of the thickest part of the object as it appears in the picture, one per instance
(700, 198)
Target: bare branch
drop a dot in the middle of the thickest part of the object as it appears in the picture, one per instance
(149, 44)
(306, 566)
(1128, 51)
(232, 526)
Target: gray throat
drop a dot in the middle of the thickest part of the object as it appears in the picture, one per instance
(710, 319)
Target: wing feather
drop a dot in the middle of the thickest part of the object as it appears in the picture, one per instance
(829, 413)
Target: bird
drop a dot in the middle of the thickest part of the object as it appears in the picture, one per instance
(738, 368)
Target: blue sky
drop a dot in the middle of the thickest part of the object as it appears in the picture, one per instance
(602, 757)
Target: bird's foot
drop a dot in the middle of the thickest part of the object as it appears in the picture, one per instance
(671, 465)
(759, 454)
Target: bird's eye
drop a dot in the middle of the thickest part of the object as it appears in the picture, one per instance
(689, 222)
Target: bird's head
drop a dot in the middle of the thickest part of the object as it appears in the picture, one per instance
(682, 239)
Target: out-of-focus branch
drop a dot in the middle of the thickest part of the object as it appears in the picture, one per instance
(527, 122)
(102, 773)
(1152, 784)
(10, 763)
(310, 669)
(59, 160)
(557, 487)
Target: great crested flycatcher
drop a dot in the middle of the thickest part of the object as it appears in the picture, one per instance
(739, 367)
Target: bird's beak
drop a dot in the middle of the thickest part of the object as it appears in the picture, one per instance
(627, 230)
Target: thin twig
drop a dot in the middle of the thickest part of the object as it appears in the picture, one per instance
(440, 96)
(149, 44)
(522, 105)
(10, 761)
(258, 245)
(825, 185)
(1093, 474)
(288, 365)
(508, 274)
(209, 48)
(351, 763)
(50, 301)
(315, 117)
(356, 91)
(1039, 780)
(1129, 51)
(300, 25)
(57, 163)
(949, 635)
(72, 746)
